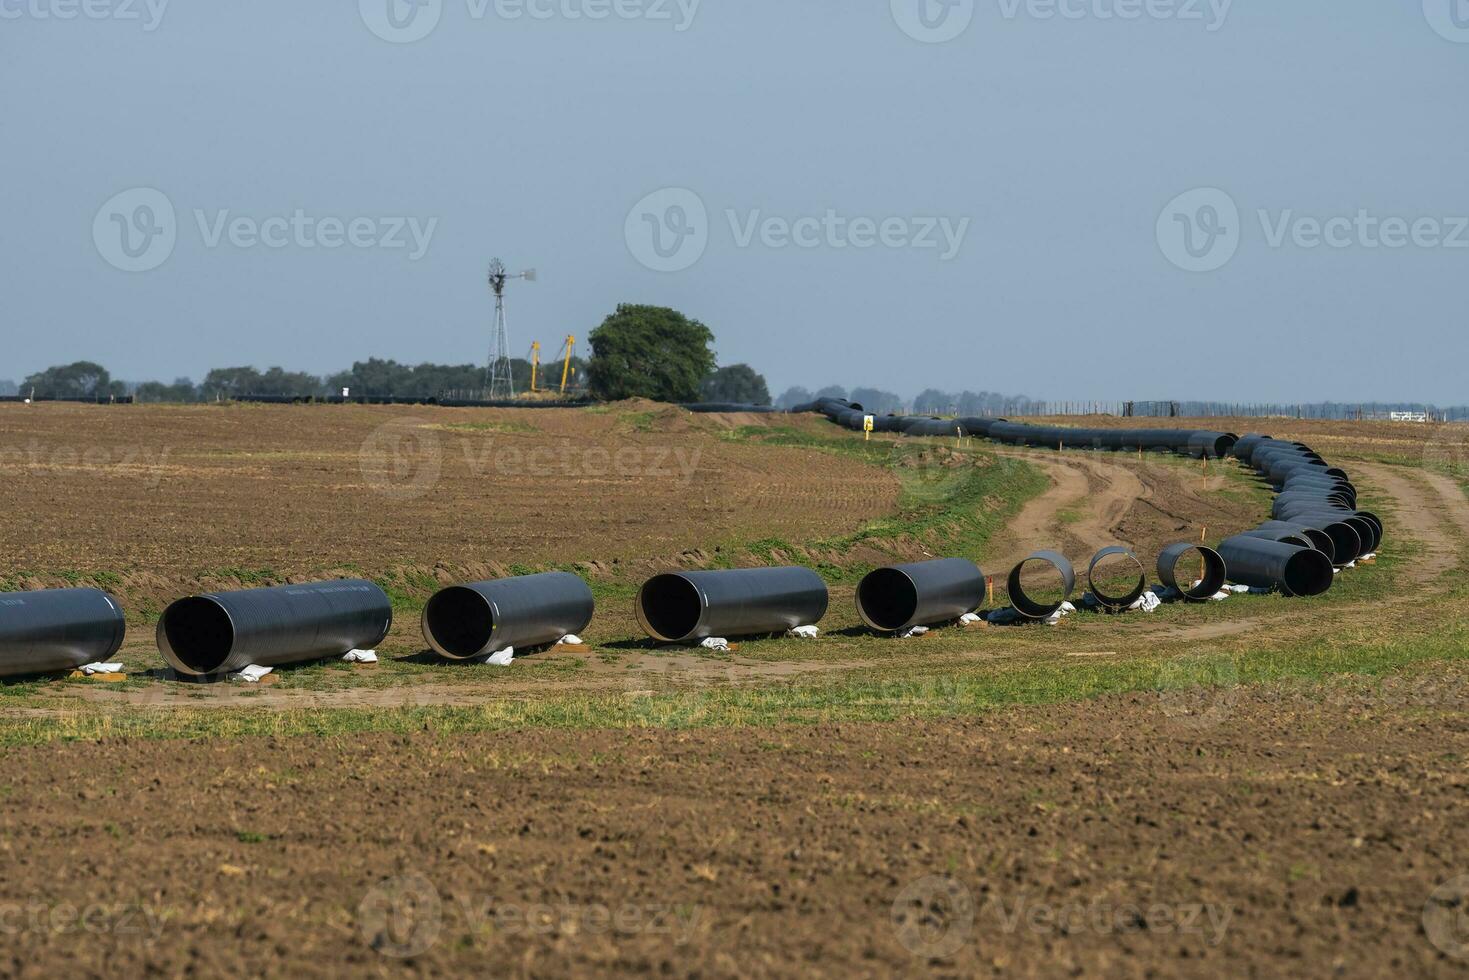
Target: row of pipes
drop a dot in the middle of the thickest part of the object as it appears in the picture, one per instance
(219, 633)
(1315, 527)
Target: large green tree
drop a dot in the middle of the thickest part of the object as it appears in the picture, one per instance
(736, 383)
(649, 352)
(81, 379)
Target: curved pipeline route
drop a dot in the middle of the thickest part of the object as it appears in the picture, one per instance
(1318, 501)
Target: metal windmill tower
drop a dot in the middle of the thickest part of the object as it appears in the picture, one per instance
(498, 378)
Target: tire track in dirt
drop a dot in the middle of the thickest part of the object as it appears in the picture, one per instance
(1103, 491)
(1428, 507)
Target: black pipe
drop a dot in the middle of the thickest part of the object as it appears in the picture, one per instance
(221, 632)
(922, 593)
(1215, 571)
(1315, 536)
(1284, 537)
(57, 629)
(1027, 606)
(1346, 539)
(464, 622)
(1116, 602)
(1266, 564)
(680, 606)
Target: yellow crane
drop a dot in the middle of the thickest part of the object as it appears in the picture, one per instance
(566, 360)
(535, 362)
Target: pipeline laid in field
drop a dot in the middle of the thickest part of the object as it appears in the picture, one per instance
(53, 630)
(222, 632)
(464, 622)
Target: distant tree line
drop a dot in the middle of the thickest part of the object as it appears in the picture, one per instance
(930, 401)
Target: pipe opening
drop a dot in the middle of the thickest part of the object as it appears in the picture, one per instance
(1031, 590)
(1321, 541)
(887, 600)
(1116, 578)
(670, 607)
(459, 622)
(1346, 543)
(1211, 576)
(199, 633)
(1366, 534)
(1307, 573)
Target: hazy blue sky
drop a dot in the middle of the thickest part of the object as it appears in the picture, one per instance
(1059, 134)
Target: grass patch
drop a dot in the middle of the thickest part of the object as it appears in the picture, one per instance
(963, 691)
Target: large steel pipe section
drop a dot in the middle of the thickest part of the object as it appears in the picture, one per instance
(464, 622)
(923, 593)
(1027, 606)
(933, 427)
(1214, 571)
(1264, 564)
(1313, 536)
(221, 632)
(57, 629)
(677, 607)
(1114, 601)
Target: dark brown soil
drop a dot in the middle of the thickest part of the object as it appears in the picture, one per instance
(1246, 835)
